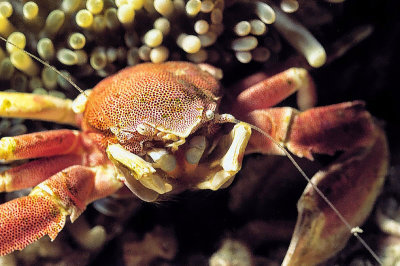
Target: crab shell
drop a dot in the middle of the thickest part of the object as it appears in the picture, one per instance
(152, 102)
(150, 110)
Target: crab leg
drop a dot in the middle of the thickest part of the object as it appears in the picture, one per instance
(270, 91)
(32, 173)
(42, 107)
(44, 210)
(39, 144)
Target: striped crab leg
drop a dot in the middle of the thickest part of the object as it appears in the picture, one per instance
(56, 149)
(352, 183)
(32, 173)
(68, 184)
(39, 144)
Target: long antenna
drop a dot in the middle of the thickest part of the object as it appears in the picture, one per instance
(46, 64)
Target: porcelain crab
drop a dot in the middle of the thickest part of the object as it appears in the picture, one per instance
(157, 129)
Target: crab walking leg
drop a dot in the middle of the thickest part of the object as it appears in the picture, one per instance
(42, 107)
(44, 210)
(39, 144)
(352, 184)
(271, 91)
(32, 173)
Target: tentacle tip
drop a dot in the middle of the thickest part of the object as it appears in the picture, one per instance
(317, 58)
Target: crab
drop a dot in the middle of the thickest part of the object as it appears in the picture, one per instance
(158, 130)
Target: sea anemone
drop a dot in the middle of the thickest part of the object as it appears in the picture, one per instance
(97, 38)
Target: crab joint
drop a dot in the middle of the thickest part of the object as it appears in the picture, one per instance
(79, 104)
(175, 145)
(145, 130)
(7, 148)
(224, 118)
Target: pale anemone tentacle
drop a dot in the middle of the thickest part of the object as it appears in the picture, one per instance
(300, 38)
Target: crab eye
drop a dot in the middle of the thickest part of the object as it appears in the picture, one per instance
(145, 130)
(210, 114)
(141, 129)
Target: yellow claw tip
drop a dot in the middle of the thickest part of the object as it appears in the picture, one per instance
(7, 148)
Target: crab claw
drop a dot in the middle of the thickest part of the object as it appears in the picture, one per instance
(352, 184)
(226, 159)
(44, 210)
(24, 220)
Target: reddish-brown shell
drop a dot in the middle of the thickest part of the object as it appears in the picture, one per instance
(172, 97)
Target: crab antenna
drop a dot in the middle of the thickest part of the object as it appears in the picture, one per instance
(227, 118)
(48, 65)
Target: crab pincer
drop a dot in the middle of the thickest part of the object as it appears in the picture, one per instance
(44, 210)
(351, 183)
